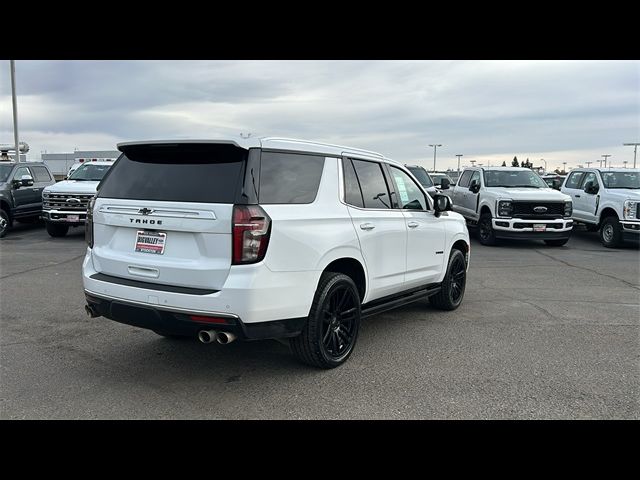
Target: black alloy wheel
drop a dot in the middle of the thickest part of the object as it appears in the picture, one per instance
(454, 283)
(333, 324)
(485, 230)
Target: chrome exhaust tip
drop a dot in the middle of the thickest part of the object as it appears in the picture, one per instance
(207, 336)
(91, 313)
(225, 338)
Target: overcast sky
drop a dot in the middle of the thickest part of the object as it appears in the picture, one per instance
(489, 111)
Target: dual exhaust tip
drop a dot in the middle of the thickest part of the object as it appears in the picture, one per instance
(209, 336)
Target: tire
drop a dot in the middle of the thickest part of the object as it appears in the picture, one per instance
(5, 223)
(334, 318)
(611, 232)
(557, 243)
(454, 283)
(486, 234)
(56, 229)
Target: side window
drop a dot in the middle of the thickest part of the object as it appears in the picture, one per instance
(372, 183)
(475, 176)
(352, 193)
(41, 174)
(289, 177)
(409, 194)
(590, 177)
(20, 172)
(574, 180)
(464, 179)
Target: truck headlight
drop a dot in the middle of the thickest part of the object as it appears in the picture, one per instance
(568, 208)
(505, 208)
(630, 210)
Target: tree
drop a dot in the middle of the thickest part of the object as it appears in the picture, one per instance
(504, 164)
(515, 163)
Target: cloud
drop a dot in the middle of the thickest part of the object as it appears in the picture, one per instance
(482, 109)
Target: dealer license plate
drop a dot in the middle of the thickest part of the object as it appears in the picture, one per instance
(150, 242)
(73, 218)
(539, 227)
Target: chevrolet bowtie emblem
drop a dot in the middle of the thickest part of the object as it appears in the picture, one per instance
(146, 211)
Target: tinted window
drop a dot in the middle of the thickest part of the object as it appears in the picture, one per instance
(629, 179)
(464, 179)
(41, 174)
(422, 176)
(574, 180)
(207, 173)
(352, 193)
(409, 194)
(289, 177)
(476, 177)
(590, 177)
(5, 171)
(20, 172)
(372, 184)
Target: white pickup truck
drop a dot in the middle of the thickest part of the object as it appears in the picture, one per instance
(64, 204)
(608, 201)
(512, 203)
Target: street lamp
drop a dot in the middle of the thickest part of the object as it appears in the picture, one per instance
(605, 160)
(473, 162)
(545, 164)
(435, 147)
(459, 155)
(624, 162)
(635, 150)
(12, 65)
(564, 167)
(588, 163)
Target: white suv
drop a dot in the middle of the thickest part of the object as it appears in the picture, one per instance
(608, 201)
(512, 203)
(267, 238)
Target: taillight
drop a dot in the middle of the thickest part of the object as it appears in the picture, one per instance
(88, 224)
(251, 230)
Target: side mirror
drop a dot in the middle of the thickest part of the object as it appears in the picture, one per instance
(26, 180)
(444, 184)
(442, 203)
(591, 188)
(474, 186)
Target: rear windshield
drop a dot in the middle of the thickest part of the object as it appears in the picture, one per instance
(176, 173)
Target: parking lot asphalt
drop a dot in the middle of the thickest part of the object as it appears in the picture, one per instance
(543, 333)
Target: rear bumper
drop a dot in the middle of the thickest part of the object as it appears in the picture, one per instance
(174, 322)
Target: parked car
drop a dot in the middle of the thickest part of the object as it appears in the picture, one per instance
(65, 203)
(267, 238)
(437, 178)
(607, 201)
(554, 181)
(512, 203)
(424, 179)
(21, 186)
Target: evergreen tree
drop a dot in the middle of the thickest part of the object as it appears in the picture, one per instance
(504, 164)
(515, 163)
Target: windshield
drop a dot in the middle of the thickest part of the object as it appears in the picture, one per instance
(90, 172)
(621, 179)
(5, 171)
(513, 179)
(422, 176)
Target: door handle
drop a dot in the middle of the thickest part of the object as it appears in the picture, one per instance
(412, 224)
(367, 226)
(577, 196)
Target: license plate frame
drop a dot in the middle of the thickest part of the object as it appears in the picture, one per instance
(73, 218)
(150, 242)
(539, 227)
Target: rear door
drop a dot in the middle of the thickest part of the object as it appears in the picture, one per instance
(164, 213)
(381, 229)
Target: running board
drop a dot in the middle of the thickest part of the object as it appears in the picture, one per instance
(394, 301)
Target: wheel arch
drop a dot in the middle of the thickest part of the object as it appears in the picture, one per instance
(4, 205)
(606, 213)
(351, 267)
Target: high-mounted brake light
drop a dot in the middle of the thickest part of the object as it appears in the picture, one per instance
(251, 231)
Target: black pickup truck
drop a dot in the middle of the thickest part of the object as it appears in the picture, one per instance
(21, 186)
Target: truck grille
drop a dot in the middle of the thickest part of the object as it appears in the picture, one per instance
(526, 210)
(68, 202)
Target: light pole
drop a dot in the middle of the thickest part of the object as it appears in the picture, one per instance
(15, 108)
(545, 164)
(624, 162)
(473, 162)
(588, 163)
(635, 150)
(435, 148)
(605, 160)
(564, 167)
(459, 155)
